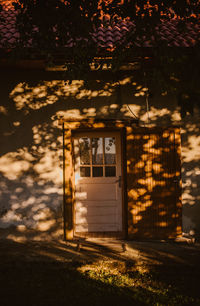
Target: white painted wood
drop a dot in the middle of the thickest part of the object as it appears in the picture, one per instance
(80, 204)
(96, 228)
(107, 190)
(98, 200)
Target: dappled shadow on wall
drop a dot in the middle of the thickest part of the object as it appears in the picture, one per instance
(31, 186)
(154, 184)
(191, 174)
(31, 149)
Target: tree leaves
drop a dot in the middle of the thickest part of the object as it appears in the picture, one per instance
(66, 27)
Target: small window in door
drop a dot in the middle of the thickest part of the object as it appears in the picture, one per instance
(97, 156)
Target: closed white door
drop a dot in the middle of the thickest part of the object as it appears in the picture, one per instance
(98, 195)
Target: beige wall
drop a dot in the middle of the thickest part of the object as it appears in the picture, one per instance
(31, 102)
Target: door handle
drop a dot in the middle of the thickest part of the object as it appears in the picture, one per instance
(120, 181)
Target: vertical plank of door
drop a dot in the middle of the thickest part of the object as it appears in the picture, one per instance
(179, 181)
(68, 186)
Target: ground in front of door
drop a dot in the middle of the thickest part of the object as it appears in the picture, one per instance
(99, 273)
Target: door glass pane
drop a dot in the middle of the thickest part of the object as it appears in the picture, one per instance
(97, 151)
(84, 171)
(84, 147)
(110, 151)
(110, 171)
(97, 171)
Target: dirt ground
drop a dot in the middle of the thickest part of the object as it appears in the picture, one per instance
(99, 271)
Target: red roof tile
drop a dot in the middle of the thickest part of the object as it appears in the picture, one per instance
(107, 37)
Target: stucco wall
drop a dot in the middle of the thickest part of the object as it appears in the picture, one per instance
(31, 101)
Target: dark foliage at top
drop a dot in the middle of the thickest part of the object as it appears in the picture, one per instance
(49, 26)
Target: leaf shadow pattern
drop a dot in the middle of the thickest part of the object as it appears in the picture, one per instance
(31, 142)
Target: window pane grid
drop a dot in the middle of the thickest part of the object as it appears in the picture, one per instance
(97, 156)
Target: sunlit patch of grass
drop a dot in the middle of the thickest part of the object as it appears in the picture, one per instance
(144, 287)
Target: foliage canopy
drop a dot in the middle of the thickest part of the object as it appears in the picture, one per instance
(67, 26)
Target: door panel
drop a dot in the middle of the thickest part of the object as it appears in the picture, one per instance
(98, 195)
(99, 191)
(154, 184)
(95, 228)
(95, 204)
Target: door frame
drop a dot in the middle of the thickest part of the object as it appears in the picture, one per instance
(127, 128)
(70, 127)
(116, 235)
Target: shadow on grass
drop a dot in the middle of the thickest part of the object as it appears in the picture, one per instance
(33, 278)
(56, 274)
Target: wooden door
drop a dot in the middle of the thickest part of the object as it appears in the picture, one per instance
(154, 183)
(98, 192)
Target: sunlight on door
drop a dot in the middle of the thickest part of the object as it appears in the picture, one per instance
(98, 197)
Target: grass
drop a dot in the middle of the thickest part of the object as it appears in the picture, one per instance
(57, 275)
(146, 288)
(103, 283)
